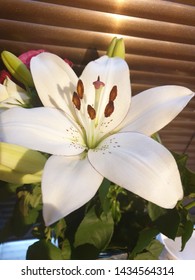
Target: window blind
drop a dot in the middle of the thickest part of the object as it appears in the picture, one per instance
(159, 37)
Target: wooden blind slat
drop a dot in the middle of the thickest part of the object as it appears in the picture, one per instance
(105, 22)
(44, 34)
(149, 9)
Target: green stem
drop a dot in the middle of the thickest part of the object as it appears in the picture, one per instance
(189, 205)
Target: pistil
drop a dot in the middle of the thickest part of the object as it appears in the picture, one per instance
(93, 111)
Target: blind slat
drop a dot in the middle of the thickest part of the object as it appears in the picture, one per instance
(44, 34)
(150, 9)
(97, 21)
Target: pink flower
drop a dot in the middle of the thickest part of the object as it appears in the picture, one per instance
(70, 63)
(26, 57)
(3, 75)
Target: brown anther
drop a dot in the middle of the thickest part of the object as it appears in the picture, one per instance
(109, 109)
(97, 84)
(80, 89)
(76, 100)
(113, 93)
(91, 111)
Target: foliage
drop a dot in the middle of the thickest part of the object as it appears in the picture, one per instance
(114, 221)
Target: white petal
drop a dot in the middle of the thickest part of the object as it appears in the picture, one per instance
(44, 129)
(67, 184)
(11, 95)
(3, 93)
(141, 165)
(111, 71)
(54, 80)
(152, 109)
(13, 88)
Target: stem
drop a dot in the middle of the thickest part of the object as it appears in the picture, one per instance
(189, 205)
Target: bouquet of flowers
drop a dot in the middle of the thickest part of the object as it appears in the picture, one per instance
(84, 160)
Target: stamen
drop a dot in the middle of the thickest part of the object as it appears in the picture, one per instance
(109, 109)
(91, 111)
(76, 100)
(113, 93)
(80, 89)
(98, 84)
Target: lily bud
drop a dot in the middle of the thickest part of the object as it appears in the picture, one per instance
(17, 68)
(111, 47)
(20, 165)
(116, 48)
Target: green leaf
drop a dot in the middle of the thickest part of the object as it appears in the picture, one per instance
(21, 224)
(155, 247)
(153, 251)
(95, 231)
(66, 249)
(103, 191)
(59, 228)
(187, 176)
(155, 211)
(187, 233)
(144, 239)
(145, 256)
(43, 250)
(35, 198)
(166, 220)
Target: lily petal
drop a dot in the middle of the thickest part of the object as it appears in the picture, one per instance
(11, 95)
(141, 165)
(67, 184)
(154, 108)
(54, 80)
(3, 93)
(112, 72)
(43, 129)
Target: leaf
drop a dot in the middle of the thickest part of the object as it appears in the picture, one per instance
(187, 176)
(166, 220)
(103, 191)
(35, 198)
(95, 231)
(155, 211)
(144, 239)
(187, 233)
(66, 249)
(153, 251)
(145, 256)
(155, 248)
(43, 250)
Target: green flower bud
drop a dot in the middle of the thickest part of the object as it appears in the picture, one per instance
(17, 68)
(116, 48)
(20, 165)
(111, 47)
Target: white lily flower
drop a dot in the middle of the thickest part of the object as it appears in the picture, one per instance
(12, 95)
(93, 130)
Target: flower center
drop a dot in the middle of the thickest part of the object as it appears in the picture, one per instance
(91, 116)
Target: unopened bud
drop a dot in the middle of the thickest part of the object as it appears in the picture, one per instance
(116, 48)
(17, 68)
(20, 165)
